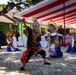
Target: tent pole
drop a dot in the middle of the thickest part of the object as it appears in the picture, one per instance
(64, 20)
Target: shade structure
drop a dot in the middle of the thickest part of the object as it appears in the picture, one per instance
(53, 10)
(5, 20)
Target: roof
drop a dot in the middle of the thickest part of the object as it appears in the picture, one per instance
(5, 20)
(55, 10)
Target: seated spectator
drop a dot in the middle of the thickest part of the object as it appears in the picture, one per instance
(11, 46)
(72, 47)
(43, 31)
(44, 45)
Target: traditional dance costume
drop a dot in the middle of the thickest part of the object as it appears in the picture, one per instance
(72, 47)
(54, 49)
(32, 47)
(11, 46)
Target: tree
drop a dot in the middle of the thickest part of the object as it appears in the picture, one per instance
(1, 6)
(35, 1)
(19, 4)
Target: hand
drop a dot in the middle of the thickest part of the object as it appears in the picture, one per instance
(23, 20)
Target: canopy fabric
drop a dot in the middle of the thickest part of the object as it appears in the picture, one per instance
(55, 10)
(5, 20)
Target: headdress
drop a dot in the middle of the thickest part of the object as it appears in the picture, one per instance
(8, 33)
(35, 22)
(52, 23)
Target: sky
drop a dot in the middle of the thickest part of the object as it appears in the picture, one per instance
(3, 1)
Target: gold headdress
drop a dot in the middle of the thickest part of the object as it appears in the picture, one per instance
(8, 33)
(52, 22)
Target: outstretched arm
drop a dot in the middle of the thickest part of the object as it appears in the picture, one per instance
(24, 22)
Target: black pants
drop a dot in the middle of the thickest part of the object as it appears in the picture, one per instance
(60, 39)
(42, 53)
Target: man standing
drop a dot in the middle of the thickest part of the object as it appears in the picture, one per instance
(32, 44)
(61, 31)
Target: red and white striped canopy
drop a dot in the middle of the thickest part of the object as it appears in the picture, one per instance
(55, 10)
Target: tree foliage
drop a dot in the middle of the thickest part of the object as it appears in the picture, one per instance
(19, 4)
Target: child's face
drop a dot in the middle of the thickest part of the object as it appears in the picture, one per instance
(51, 27)
(9, 36)
(55, 30)
(26, 34)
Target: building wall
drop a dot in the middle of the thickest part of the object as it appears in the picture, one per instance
(19, 27)
(5, 27)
